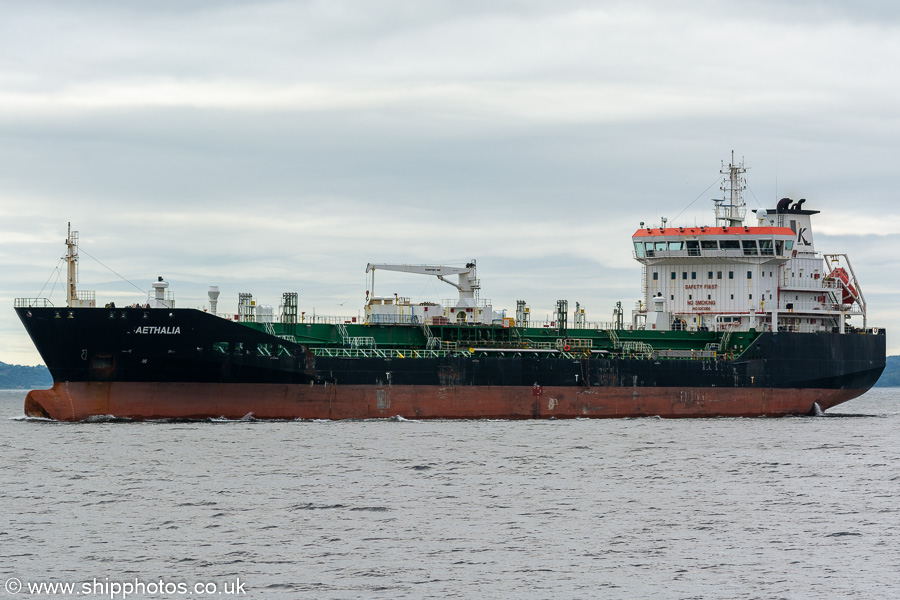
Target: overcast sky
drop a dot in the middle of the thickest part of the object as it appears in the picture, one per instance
(280, 146)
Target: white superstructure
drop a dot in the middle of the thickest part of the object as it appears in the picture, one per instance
(735, 276)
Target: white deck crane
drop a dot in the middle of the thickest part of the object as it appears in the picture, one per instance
(468, 283)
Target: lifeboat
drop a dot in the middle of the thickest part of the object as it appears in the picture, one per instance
(850, 294)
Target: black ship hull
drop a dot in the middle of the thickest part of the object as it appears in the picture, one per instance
(184, 363)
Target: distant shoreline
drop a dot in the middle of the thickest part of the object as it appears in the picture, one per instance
(20, 377)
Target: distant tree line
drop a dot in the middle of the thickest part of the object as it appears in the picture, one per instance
(891, 375)
(13, 377)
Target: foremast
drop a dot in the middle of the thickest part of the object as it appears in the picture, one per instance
(74, 298)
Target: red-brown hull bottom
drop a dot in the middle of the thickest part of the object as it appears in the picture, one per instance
(79, 401)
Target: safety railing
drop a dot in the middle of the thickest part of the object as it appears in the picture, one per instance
(378, 353)
(32, 302)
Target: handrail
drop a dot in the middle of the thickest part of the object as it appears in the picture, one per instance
(332, 352)
(33, 302)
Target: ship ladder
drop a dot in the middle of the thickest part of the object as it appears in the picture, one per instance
(644, 281)
(723, 344)
(613, 338)
(345, 337)
(433, 343)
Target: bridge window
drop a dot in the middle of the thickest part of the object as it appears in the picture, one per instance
(693, 247)
(676, 245)
(709, 244)
(789, 244)
(749, 247)
(730, 245)
(660, 246)
(765, 248)
(639, 249)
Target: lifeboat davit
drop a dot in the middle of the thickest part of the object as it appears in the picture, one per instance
(850, 294)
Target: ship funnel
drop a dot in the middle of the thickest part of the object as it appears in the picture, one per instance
(213, 294)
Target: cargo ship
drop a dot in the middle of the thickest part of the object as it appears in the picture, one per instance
(735, 320)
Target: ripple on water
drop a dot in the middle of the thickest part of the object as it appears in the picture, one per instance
(642, 508)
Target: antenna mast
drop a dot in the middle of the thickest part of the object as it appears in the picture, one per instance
(730, 210)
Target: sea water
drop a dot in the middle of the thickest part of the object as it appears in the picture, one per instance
(805, 507)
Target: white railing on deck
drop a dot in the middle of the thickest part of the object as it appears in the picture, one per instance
(376, 353)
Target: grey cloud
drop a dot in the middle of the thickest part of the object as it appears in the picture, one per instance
(268, 146)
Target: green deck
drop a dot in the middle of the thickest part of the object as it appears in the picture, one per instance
(411, 341)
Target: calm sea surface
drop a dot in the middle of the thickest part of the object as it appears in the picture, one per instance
(645, 508)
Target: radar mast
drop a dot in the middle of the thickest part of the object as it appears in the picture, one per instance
(730, 209)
